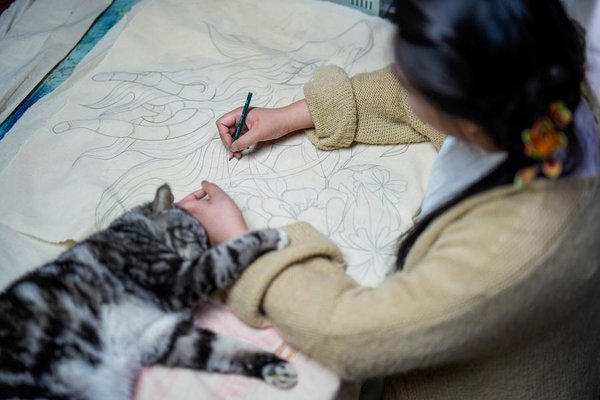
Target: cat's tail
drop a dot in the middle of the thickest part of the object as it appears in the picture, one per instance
(201, 349)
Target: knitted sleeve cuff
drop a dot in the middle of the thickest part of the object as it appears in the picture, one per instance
(368, 108)
(331, 103)
(384, 113)
(246, 296)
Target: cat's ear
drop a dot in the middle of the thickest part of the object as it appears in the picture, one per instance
(163, 200)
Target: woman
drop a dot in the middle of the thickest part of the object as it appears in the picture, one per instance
(496, 293)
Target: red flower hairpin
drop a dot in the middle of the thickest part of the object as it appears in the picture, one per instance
(543, 141)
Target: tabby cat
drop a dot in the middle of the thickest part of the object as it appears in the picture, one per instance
(84, 325)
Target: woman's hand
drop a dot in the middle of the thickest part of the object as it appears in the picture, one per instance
(216, 211)
(262, 124)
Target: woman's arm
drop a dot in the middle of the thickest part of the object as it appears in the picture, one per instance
(367, 108)
(473, 282)
(262, 124)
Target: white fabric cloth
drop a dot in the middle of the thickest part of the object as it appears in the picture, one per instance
(34, 36)
(20, 253)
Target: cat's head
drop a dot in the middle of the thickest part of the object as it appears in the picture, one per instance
(163, 200)
(159, 208)
(161, 216)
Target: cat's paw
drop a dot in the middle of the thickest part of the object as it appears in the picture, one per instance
(283, 240)
(280, 375)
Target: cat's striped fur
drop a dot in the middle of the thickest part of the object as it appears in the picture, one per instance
(83, 326)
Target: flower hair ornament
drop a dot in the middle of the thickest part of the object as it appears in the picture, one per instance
(542, 143)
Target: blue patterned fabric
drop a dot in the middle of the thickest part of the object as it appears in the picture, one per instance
(64, 69)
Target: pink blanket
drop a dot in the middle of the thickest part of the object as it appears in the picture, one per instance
(315, 381)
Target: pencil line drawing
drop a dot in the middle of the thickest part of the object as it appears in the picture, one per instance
(166, 120)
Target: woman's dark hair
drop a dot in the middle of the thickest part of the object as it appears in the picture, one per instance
(499, 63)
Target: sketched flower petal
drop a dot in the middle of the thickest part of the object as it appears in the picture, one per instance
(335, 214)
(300, 199)
(378, 181)
(276, 207)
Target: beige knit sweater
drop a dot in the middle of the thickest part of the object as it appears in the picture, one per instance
(499, 298)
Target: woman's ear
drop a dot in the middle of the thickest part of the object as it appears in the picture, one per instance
(474, 133)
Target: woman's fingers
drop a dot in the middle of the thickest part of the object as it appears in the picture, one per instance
(212, 189)
(216, 211)
(209, 191)
(246, 140)
(226, 126)
(197, 195)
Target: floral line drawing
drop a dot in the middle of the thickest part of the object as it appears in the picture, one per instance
(165, 120)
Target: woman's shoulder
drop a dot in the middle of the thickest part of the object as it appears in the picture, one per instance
(516, 226)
